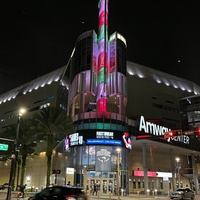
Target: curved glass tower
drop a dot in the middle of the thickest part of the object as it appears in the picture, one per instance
(97, 152)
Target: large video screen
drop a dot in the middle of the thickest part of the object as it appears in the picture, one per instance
(96, 137)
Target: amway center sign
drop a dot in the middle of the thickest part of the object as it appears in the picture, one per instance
(157, 130)
(151, 128)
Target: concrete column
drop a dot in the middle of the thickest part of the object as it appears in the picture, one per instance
(145, 168)
(195, 175)
(173, 169)
(85, 179)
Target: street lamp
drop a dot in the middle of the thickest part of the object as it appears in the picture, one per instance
(118, 172)
(15, 156)
(178, 167)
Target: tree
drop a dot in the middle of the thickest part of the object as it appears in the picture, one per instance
(27, 142)
(53, 123)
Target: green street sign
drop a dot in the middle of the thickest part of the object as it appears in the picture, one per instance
(3, 147)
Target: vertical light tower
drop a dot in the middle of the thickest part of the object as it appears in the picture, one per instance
(102, 66)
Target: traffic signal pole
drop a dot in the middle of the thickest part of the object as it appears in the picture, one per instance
(14, 161)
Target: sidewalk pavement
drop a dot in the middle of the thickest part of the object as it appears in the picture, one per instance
(134, 197)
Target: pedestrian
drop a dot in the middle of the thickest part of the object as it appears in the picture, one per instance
(23, 190)
(68, 183)
(87, 188)
(95, 189)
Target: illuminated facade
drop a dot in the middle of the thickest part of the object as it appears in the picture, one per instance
(97, 102)
(157, 102)
(107, 96)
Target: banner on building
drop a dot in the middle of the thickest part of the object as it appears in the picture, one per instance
(103, 159)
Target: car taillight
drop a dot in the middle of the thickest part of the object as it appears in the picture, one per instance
(70, 197)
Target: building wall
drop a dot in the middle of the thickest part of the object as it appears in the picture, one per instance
(4, 172)
(32, 101)
(35, 175)
(154, 101)
(143, 93)
(36, 168)
(156, 162)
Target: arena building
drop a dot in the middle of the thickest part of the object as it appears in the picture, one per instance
(121, 111)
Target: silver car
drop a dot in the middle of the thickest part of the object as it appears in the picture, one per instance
(182, 193)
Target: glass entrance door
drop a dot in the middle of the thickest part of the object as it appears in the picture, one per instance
(101, 186)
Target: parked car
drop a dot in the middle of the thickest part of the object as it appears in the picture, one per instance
(60, 193)
(4, 186)
(182, 193)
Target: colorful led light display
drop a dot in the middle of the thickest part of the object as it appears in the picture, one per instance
(95, 137)
(103, 67)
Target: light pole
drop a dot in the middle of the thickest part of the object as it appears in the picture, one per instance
(14, 157)
(85, 178)
(178, 167)
(118, 172)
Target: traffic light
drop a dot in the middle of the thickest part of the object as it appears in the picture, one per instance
(53, 171)
(173, 133)
(198, 131)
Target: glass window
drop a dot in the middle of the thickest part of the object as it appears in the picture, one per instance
(46, 192)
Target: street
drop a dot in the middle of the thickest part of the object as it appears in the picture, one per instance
(104, 197)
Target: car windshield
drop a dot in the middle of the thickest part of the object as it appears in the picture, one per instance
(76, 191)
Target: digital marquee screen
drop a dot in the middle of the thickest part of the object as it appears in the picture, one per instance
(94, 137)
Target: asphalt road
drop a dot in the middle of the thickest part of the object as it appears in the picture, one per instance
(3, 195)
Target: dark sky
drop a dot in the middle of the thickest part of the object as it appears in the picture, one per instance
(37, 36)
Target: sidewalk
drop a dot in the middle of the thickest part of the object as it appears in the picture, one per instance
(128, 197)
(133, 197)
(3, 195)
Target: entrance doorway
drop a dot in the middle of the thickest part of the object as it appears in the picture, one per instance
(103, 186)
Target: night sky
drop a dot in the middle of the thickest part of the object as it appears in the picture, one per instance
(38, 36)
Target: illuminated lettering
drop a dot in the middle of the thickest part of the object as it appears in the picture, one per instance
(151, 128)
(104, 135)
(75, 139)
(182, 138)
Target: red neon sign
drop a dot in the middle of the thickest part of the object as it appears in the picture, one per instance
(141, 173)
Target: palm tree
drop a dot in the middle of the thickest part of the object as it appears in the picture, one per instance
(53, 123)
(27, 142)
